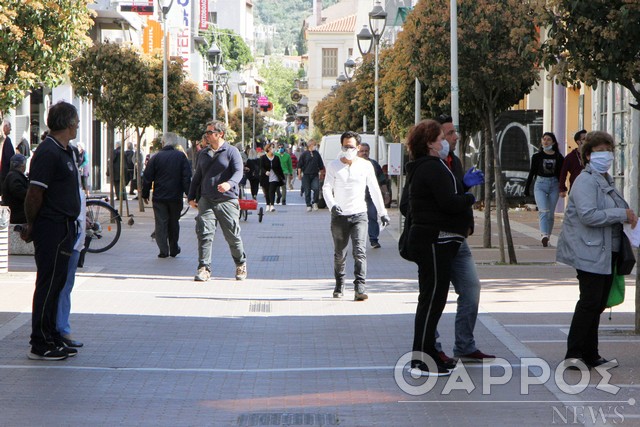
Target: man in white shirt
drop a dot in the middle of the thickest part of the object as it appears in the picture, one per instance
(344, 189)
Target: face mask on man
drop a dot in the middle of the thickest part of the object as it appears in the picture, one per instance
(601, 161)
(349, 153)
(444, 151)
(281, 150)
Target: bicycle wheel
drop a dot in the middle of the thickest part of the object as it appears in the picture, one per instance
(103, 226)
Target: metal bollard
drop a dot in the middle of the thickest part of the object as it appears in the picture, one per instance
(5, 213)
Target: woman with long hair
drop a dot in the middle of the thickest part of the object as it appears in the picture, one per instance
(271, 175)
(546, 166)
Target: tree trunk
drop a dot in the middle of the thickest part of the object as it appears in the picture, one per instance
(490, 128)
(488, 173)
(110, 140)
(138, 171)
(500, 195)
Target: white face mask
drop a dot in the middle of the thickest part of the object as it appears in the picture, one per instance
(350, 153)
(444, 151)
(601, 161)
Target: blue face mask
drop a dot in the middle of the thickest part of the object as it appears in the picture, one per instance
(547, 147)
(444, 151)
(281, 150)
(601, 161)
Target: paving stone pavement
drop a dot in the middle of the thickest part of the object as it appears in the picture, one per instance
(278, 350)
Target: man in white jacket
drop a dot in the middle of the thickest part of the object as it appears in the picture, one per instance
(344, 189)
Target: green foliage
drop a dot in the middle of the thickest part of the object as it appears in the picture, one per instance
(235, 52)
(109, 74)
(37, 41)
(288, 17)
(279, 83)
(593, 40)
(235, 123)
(498, 53)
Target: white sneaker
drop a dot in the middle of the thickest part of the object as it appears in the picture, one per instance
(315, 206)
(273, 209)
(308, 208)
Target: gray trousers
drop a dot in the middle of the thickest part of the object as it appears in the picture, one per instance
(352, 227)
(210, 214)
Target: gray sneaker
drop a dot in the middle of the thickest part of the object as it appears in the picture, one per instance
(241, 271)
(203, 275)
(314, 206)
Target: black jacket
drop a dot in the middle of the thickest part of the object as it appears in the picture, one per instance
(270, 165)
(437, 198)
(14, 191)
(170, 173)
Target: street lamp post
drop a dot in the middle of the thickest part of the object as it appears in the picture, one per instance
(165, 8)
(349, 68)
(222, 77)
(215, 58)
(254, 104)
(242, 88)
(371, 36)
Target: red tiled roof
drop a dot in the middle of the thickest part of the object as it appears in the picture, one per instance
(342, 25)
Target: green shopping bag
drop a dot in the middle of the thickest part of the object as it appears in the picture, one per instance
(616, 294)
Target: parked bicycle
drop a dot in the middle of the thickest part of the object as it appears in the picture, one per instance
(104, 225)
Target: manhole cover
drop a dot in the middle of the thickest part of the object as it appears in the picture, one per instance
(287, 419)
(269, 258)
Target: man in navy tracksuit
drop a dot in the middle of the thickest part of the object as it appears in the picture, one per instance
(52, 206)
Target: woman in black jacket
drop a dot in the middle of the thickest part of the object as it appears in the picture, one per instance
(252, 172)
(441, 217)
(271, 175)
(546, 165)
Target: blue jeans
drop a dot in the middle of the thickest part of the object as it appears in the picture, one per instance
(352, 227)
(464, 278)
(546, 192)
(210, 214)
(374, 227)
(310, 183)
(64, 301)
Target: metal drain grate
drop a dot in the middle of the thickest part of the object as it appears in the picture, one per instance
(260, 307)
(277, 224)
(287, 419)
(270, 258)
(275, 237)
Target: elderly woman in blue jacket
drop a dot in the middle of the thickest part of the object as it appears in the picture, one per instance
(590, 241)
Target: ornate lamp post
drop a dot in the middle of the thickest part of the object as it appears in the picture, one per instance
(349, 68)
(222, 77)
(215, 59)
(242, 88)
(370, 37)
(165, 7)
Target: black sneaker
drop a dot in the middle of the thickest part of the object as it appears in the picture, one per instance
(375, 245)
(69, 350)
(422, 370)
(52, 353)
(337, 292)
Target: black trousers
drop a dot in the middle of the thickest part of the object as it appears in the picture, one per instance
(582, 341)
(434, 276)
(167, 217)
(53, 242)
(270, 193)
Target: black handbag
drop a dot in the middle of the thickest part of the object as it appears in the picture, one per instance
(626, 257)
(403, 241)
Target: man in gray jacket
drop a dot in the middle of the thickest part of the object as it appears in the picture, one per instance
(214, 192)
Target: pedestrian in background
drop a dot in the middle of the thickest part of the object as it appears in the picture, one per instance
(344, 189)
(294, 167)
(372, 212)
(590, 241)
(214, 192)
(52, 206)
(14, 189)
(252, 172)
(7, 152)
(287, 170)
(310, 166)
(169, 173)
(271, 175)
(546, 165)
(84, 168)
(572, 164)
